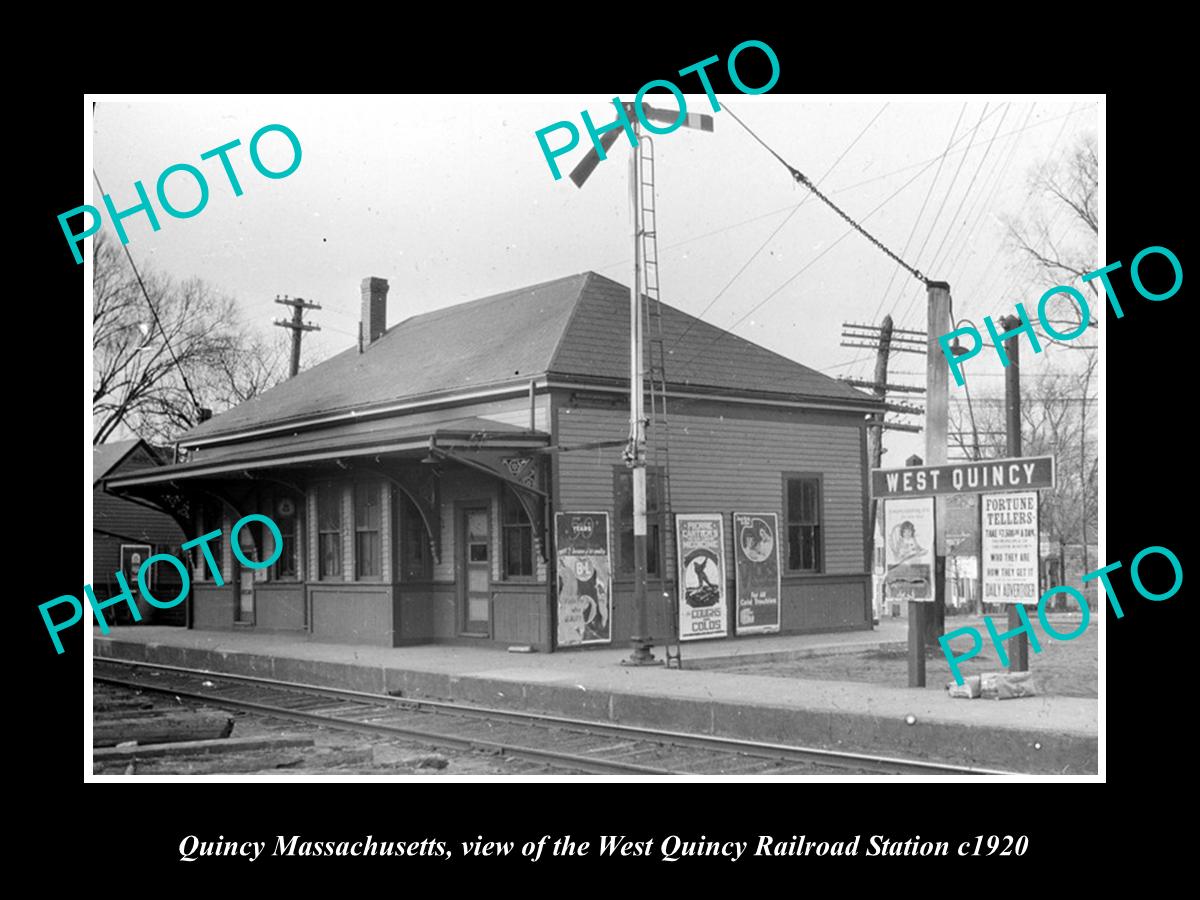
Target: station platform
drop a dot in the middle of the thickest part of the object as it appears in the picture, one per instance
(1042, 735)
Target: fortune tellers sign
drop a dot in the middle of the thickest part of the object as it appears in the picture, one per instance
(1009, 531)
(1025, 473)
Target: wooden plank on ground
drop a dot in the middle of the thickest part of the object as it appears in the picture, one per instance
(173, 727)
(183, 748)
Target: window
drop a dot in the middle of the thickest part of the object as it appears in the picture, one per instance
(329, 530)
(518, 538)
(211, 519)
(286, 515)
(623, 493)
(415, 555)
(368, 543)
(802, 510)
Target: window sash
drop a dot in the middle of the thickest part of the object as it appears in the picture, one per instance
(368, 532)
(329, 531)
(516, 532)
(415, 555)
(210, 519)
(802, 513)
(623, 498)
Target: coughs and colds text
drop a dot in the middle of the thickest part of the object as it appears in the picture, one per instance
(670, 849)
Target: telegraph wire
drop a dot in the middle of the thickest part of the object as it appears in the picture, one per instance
(979, 280)
(963, 199)
(916, 222)
(999, 171)
(153, 310)
(774, 212)
(771, 236)
(722, 333)
(936, 216)
(801, 178)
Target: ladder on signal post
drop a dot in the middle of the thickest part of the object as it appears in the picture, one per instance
(657, 422)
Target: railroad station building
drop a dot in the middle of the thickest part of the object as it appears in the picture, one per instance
(414, 478)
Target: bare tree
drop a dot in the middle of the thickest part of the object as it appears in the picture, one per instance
(1058, 418)
(1068, 187)
(153, 353)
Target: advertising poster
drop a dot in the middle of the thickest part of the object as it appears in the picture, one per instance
(756, 561)
(132, 557)
(909, 525)
(1010, 547)
(584, 578)
(701, 542)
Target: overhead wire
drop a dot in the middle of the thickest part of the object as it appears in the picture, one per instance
(153, 310)
(722, 333)
(924, 203)
(771, 236)
(803, 179)
(938, 214)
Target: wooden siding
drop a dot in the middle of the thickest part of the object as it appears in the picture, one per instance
(518, 614)
(280, 606)
(720, 463)
(213, 606)
(352, 613)
(116, 522)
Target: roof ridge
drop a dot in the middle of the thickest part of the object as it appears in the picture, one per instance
(430, 314)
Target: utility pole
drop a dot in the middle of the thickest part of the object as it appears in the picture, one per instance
(875, 436)
(916, 624)
(937, 418)
(635, 450)
(1018, 660)
(297, 325)
(635, 453)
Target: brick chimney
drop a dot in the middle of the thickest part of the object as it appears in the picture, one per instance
(374, 309)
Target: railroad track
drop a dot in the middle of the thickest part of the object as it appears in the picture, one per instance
(557, 742)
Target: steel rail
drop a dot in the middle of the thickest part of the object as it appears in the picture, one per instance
(737, 746)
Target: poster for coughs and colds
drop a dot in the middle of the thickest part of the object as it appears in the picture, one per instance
(909, 524)
(1010, 547)
(584, 578)
(701, 540)
(756, 562)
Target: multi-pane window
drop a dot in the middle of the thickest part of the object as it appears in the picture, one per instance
(286, 516)
(623, 494)
(211, 519)
(368, 540)
(802, 512)
(518, 538)
(415, 554)
(329, 530)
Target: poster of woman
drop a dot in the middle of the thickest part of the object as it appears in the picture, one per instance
(909, 524)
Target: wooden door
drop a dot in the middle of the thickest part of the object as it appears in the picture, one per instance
(475, 566)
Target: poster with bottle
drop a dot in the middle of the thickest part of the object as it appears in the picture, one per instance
(584, 578)
(756, 565)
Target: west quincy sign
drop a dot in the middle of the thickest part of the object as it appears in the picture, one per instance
(1023, 473)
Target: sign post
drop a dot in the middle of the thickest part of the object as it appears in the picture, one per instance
(1008, 486)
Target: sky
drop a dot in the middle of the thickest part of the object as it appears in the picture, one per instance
(451, 199)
